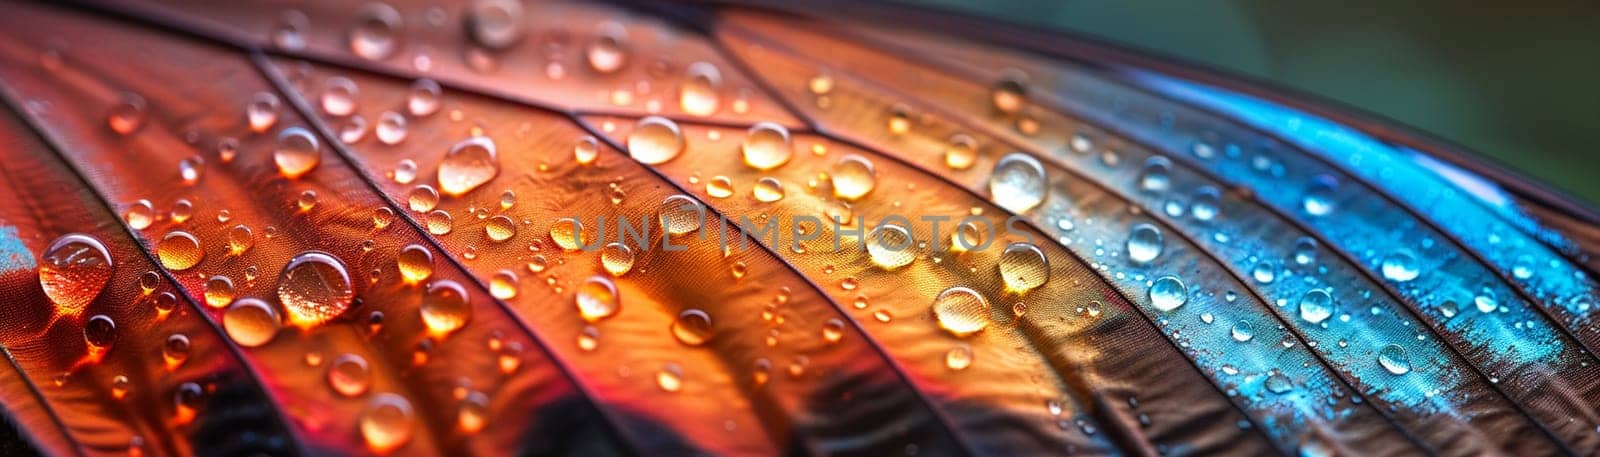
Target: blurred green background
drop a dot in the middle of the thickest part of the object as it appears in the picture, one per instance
(1518, 82)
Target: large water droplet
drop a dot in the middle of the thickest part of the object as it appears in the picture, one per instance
(297, 152)
(313, 288)
(1394, 358)
(1168, 293)
(1316, 306)
(500, 228)
(445, 308)
(889, 245)
(387, 422)
(617, 258)
(503, 284)
(655, 140)
(76, 268)
(699, 94)
(374, 36)
(567, 233)
(1400, 266)
(853, 177)
(251, 322)
(1144, 244)
(179, 250)
(469, 164)
(1018, 183)
(961, 311)
(693, 327)
(1023, 267)
(349, 375)
(597, 299)
(767, 146)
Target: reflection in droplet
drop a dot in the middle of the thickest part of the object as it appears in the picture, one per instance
(313, 288)
(1144, 244)
(617, 258)
(100, 332)
(1242, 331)
(76, 268)
(250, 322)
(767, 146)
(853, 177)
(1168, 293)
(1394, 358)
(179, 251)
(1316, 306)
(297, 152)
(445, 308)
(693, 327)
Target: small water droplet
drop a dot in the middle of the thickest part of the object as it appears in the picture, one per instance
(1316, 306)
(391, 128)
(890, 246)
(1278, 383)
(495, 24)
(100, 332)
(424, 97)
(349, 375)
(1010, 92)
(1318, 199)
(833, 330)
(958, 358)
(681, 214)
(262, 112)
(1486, 301)
(655, 140)
(415, 263)
(960, 152)
(767, 146)
(1242, 331)
(617, 258)
(1156, 175)
(693, 327)
(374, 37)
(500, 228)
(767, 190)
(1264, 272)
(1394, 358)
(567, 233)
(140, 215)
(289, 32)
(608, 52)
(179, 251)
(853, 177)
(719, 187)
(670, 378)
(387, 422)
(128, 114)
(1400, 266)
(219, 291)
(503, 285)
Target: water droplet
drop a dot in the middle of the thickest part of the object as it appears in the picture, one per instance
(424, 97)
(567, 233)
(1023, 267)
(958, 358)
(219, 291)
(76, 268)
(251, 322)
(693, 327)
(1305, 251)
(1018, 182)
(313, 288)
(597, 299)
(289, 32)
(500, 228)
(608, 52)
(139, 215)
(1316, 306)
(1264, 272)
(1522, 267)
(1400, 266)
(853, 177)
(681, 214)
(1486, 301)
(374, 36)
(670, 378)
(1278, 383)
(586, 151)
(1011, 92)
(889, 246)
(438, 222)
(503, 285)
(655, 140)
(1449, 309)
(181, 210)
(1144, 244)
(262, 112)
(1168, 293)
(1242, 331)
(391, 128)
(387, 422)
(128, 114)
(495, 24)
(1318, 199)
(349, 375)
(767, 146)
(617, 258)
(164, 302)
(338, 97)
(833, 330)
(308, 200)
(1156, 175)
(961, 311)
(719, 187)
(297, 152)
(469, 164)
(473, 413)
(1204, 205)
(767, 190)
(589, 338)
(699, 94)
(899, 120)
(422, 198)
(445, 308)
(1394, 358)
(100, 332)
(179, 251)
(415, 263)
